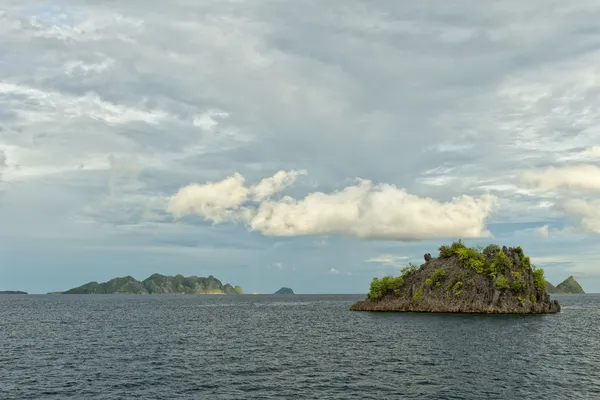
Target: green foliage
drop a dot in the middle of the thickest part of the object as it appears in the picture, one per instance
(470, 257)
(410, 268)
(491, 250)
(445, 252)
(428, 281)
(438, 274)
(533, 298)
(518, 284)
(526, 262)
(539, 282)
(458, 277)
(418, 295)
(438, 284)
(521, 299)
(380, 287)
(471, 282)
(519, 251)
(502, 283)
(449, 251)
(397, 292)
(501, 263)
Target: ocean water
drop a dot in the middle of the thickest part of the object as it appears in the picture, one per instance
(289, 347)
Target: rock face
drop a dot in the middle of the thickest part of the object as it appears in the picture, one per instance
(12, 292)
(157, 284)
(568, 286)
(284, 290)
(465, 280)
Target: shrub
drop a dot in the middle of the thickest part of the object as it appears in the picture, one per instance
(533, 298)
(518, 284)
(375, 291)
(380, 287)
(438, 274)
(526, 262)
(539, 282)
(501, 283)
(501, 263)
(491, 250)
(438, 284)
(449, 251)
(418, 295)
(521, 299)
(410, 268)
(471, 258)
(428, 281)
(471, 282)
(519, 251)
(445, 251)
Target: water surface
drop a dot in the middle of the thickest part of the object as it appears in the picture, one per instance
(289, 347)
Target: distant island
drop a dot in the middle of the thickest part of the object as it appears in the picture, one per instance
(465, 280)
(568, 286)
(284, 290)
(158, 284)
(12, 292)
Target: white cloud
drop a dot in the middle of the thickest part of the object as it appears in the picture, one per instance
(587, 211)
(389, 259)
(364, 210)
(269, 186)
(51, 104)
(3, 159)
(374, 211)
(216, 202)
(542, 231)
(334, 271)
(573, 177)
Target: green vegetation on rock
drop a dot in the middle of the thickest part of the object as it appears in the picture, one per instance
(465, 279)
(380, 287)
(568, 286)
(158, 284)
(12, 292)
(284, 290)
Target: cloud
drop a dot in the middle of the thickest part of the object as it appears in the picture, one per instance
(587, 211)
(389, 259)
(3, 159)
(364, 210)
(542, 231)
(216, 202)
(276, 265)
(573, 177)
(269, 186)
(334, 271)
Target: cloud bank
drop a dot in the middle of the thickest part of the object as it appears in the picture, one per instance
(572, 177)
(364, 210)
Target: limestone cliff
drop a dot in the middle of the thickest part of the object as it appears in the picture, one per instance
(466, 280)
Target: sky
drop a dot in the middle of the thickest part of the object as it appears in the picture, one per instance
(310, 144)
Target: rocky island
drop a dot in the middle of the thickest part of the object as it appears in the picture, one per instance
(568, 286)
(465, 280)
(158, 284)
(12, 292)
(284, 290)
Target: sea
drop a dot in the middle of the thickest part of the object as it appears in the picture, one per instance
(289, 347)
